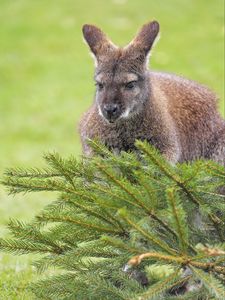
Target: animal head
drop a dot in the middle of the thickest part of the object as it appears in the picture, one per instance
(121, 73)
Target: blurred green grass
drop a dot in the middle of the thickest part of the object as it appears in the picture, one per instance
(46, 81)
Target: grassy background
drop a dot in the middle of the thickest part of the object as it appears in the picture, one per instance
(46, 82)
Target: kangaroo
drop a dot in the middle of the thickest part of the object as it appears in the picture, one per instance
(176, 115)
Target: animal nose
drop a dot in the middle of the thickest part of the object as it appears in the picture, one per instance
(110, 109)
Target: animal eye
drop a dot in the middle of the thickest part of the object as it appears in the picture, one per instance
(130, 85)
(99, 85)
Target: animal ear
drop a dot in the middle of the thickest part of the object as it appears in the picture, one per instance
(145, 38)
(97, 40)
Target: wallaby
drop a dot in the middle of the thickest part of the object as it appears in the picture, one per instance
(176, 115)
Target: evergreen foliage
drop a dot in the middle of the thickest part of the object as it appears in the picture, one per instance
(124, 227)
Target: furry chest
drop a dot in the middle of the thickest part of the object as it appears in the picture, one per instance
(123, 139)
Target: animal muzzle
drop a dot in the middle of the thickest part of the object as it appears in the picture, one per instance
(111, 112)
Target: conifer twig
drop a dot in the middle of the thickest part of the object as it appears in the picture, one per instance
(181, 260)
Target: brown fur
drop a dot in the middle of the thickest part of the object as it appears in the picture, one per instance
(176, 115)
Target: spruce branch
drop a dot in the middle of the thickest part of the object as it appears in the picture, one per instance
(181, 260)
(213, 285)
(167, 170)
(178, 218)
(124, 214)
(118, 244)
(59, 165)
(136, 260)
(30, 233)
(159, 288)
(25, 247)
(31, 173)
(89, 210)
(215, 169)
(115, 218)
(137, 201)
(116, 196)
(158, 160)
(60, 218)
